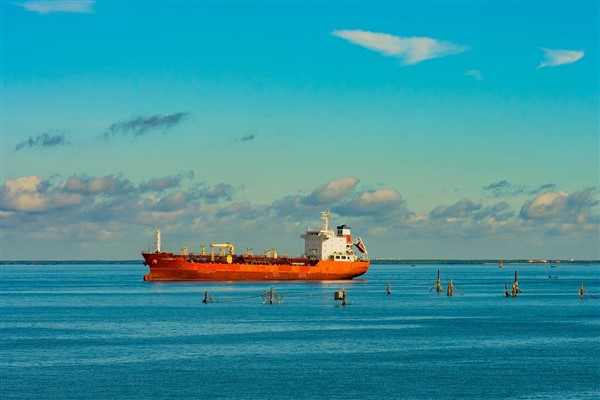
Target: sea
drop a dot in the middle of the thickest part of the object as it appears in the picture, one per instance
(98, 331)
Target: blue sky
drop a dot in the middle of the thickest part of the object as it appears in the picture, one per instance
(436, 129)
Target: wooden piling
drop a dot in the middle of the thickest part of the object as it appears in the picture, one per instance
(583, 290)
(207, 298)
(450, 289)
(515, 285)
(438, 284)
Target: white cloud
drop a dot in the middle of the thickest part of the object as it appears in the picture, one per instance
(411, 50)
(24, 194)
(35, 194)
(92, 186)
(463, 208)
(380, 202)
(83, 209)
(577, 207)
(380, 196)
(556, 57)
(332, 191)
(45, 7)
(545, 206)
(475, 74)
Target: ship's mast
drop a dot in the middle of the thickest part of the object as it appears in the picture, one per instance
(157, 240)
(325, 215)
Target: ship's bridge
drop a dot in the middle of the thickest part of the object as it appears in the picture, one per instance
(324, 244)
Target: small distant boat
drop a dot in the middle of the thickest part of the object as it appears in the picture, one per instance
(501, 265)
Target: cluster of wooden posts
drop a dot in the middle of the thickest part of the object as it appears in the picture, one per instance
(339, 296)
(512, 293)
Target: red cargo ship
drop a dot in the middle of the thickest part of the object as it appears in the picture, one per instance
(327, 256)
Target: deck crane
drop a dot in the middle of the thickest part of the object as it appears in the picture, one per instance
(222, 247)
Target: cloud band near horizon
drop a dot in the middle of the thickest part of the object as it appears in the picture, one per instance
(35, 203)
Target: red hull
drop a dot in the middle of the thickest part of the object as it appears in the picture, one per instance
(173, 267)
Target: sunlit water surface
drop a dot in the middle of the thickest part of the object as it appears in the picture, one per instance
(100, 332)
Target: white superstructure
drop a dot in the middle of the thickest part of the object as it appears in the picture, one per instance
(325, 244)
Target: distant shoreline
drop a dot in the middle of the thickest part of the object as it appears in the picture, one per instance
(373, 262)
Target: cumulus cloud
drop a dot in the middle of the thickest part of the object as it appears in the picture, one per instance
(104, 200)
(576, 207)
(332, 191)
(68, 6)
(86, 185)
(33, 194)
(410, 50)
(497, 212)
(461, 209)
(140, 126)
(173, 201)
(468, 220)
(213, 194)
(556, 57)
(243, 210)
(45, 140)
(24, 194)
(376, 202)
(164, 183)
(85, 208)
(342, 197)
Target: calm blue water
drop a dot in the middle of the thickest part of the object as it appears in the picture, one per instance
(100, 332)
